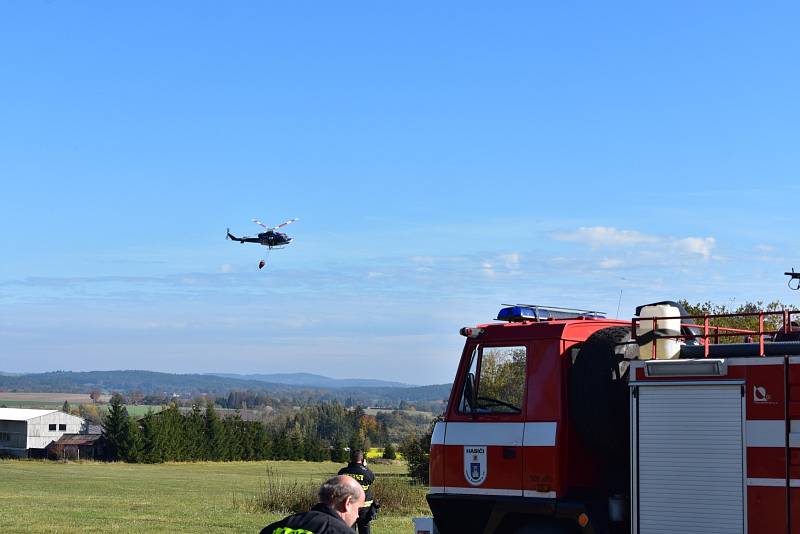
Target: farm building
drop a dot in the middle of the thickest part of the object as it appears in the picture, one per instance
(78, 447)
(26, 433)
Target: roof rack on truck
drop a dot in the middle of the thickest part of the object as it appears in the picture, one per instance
(537, 312)
(668, 332)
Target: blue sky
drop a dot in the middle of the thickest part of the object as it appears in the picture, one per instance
(442, 158)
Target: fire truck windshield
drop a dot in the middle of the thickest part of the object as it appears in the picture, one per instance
(495, 381)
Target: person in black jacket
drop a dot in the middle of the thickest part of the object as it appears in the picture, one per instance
(357, 469)
(340, 499)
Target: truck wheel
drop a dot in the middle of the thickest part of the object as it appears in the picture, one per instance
(598, 391)
(548, 526)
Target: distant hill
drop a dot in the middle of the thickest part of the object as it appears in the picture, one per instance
(126, 381)
(150, 382)
(316, 381)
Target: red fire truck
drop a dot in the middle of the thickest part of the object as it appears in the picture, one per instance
(563, 421)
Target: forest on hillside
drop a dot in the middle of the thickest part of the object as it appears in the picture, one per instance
(314, 433)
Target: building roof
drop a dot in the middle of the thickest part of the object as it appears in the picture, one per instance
(21, 414)
(77, 439)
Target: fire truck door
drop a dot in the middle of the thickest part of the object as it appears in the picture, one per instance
(484, 458)
(484, 438)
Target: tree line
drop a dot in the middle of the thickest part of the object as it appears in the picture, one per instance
(314, 433)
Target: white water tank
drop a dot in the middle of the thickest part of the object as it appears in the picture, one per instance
(665, 348)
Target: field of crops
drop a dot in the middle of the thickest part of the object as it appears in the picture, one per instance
(55, 401)
(42, 496)
(34, 396)
(44, 400)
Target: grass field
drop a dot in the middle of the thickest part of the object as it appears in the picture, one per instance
(63, 498)
(135, 410)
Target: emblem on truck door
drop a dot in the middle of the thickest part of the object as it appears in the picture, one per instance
(475, 467)
(760, 395)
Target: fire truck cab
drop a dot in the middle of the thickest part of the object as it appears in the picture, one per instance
(562, 422)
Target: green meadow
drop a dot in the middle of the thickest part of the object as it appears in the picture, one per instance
(84, 497)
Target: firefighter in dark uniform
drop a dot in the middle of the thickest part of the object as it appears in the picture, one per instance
(340, 500)
(358, 470)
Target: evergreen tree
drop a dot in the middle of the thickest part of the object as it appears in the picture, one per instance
(115, 427)
(65, 407)
(416, 449)
(338, 454)
(132, 444)
(173, 432)
(314, 449)
(215, 434)
(246, 433)
(281, 446)
(262, 444)
(233, 437)
(195, 435)
(296, 449)
(155, 439)
(357, 442)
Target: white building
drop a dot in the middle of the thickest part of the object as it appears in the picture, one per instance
(25, 433)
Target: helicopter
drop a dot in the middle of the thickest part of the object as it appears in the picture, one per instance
(270, 238)
(792, 277)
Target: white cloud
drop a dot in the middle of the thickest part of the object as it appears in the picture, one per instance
(511, 261)
(374, 274)
(423, 260)
(771, 259)
(611, 263)
(487, 268)
(609, 237)
(603, 236)
(696, 245)
(226, 268)
(501, 265)
(763, 248)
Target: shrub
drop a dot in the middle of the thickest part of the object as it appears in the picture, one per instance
(416, 450)
(389, 453)
(398, 496)
(281, 495)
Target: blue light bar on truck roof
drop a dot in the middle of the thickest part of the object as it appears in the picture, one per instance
(520, 313)
(533, 312)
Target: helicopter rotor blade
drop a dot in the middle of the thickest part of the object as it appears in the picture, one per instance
(261, 224)
(290, 221)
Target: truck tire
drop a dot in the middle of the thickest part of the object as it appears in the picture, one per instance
(548, 526)
(598, 391)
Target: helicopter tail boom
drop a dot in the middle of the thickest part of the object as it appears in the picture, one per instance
(233, 237)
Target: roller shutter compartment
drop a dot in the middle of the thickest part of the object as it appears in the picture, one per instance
(690, 459)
